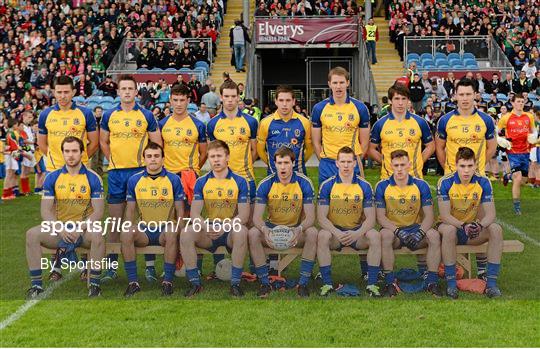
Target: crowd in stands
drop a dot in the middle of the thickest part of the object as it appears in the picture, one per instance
(299, 8)
(42, 40)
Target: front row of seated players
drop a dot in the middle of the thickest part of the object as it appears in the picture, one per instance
(347, 213)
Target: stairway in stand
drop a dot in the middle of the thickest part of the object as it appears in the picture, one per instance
(388, 67)
(224, 51)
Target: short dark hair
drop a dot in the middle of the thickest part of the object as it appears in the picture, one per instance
(516, 96)
(229, 85)
(64, 80)
(181, 90)
(284, 89)
(465, 82)
(398, 89)
(217, 144)
(153, 145)
(126, 77)
(465, 153)
(98, 107)
(72, 139)
(283, 152)
(399, 153)
(345, 150)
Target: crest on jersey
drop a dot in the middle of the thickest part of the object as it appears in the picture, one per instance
(76, 121)
(475, 196)
(351, 117)
(356, 198)
(340, 117)
(297, 133)
(295, 197)
(83, 189)
(412, 132)
(402, 201)
(189, 132)
(230, 192)
(413, 198)
(138, 123)
(164, 191)
(219, 193)
(477, 128)
(242, 130)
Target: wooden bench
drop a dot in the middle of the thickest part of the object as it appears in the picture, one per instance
(286, 257)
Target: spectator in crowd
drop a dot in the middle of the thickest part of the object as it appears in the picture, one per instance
(450, 84)
(108, 87)
(238, 37)
(417, 93)
(428, 86)
(211, 100)
(83, 87)
(493, 86)
(371, 36)
(508, 85)
(202, 114)
(261, 11)
(530, 69)
(522, 84)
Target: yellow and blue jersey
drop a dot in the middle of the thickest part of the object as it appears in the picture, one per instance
(403, 205)
(73, 194)
(181, 141)
(237, 133)
(471, 131)
(285, 202)
(465, 199)
(408, 134)
(58, 124)
(340, 125)
(346, 201)
(128, 135)
(221, 196)
(155, 195)
(274, 133)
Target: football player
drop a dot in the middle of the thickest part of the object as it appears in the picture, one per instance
(224, 196)
(288, 196)
(347, 218)
(72, 193)
(405, 213)
(467, 212)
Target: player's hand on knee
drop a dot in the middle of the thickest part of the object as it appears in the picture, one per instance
(297, 231)
(346, 238)
(266, 233)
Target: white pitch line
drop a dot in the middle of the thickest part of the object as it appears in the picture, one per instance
(30, 303)
(510, 227)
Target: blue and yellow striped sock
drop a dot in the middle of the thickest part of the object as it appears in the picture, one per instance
(262, 274)
(236, 275)
(373, 273)
(35, 278)
(481, 264)
(450, 273)
(168, 269)
(94, 277)
(492, 274)
(193, 276)
(306, 266)
(326, 274)
(131, 270)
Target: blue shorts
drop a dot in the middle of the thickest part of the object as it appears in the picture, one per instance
(152, 235)
(252, 191)
(353, 246)
(117, 180)
(519, 162)
(462, 237)
(221, 241)
(328, 168)
(40, 166)
(535, 155)
(2, 171)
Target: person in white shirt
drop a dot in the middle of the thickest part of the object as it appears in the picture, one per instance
(202, 114)
(530, 69)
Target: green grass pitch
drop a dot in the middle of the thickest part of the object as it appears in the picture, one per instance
(68, 319)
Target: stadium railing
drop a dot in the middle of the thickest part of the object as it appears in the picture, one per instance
(286, 257)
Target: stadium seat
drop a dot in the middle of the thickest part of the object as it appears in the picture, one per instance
(458, 66)
(536, 104)
(184, 70)
(94, 99)
(106, 105)
(426, 56)
(171, 69)
(415, 60)
(454, 61)
(471, 67)
(427, 61)
(413, 56)
(91, 105)
(143, 69)
(468, 61)
(454, 56)
(439, 55)
(157, 69)
(160, 105)
(468, 55)
(429, 67)
(533, 97)
(202, 64)
(486, 96)
(107, 99)
(192, 108)
(441, 61)
(117, 100)
(443, 66)
(502, 97)
(79, 100)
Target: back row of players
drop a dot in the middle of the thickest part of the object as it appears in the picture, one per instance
(340, 125)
